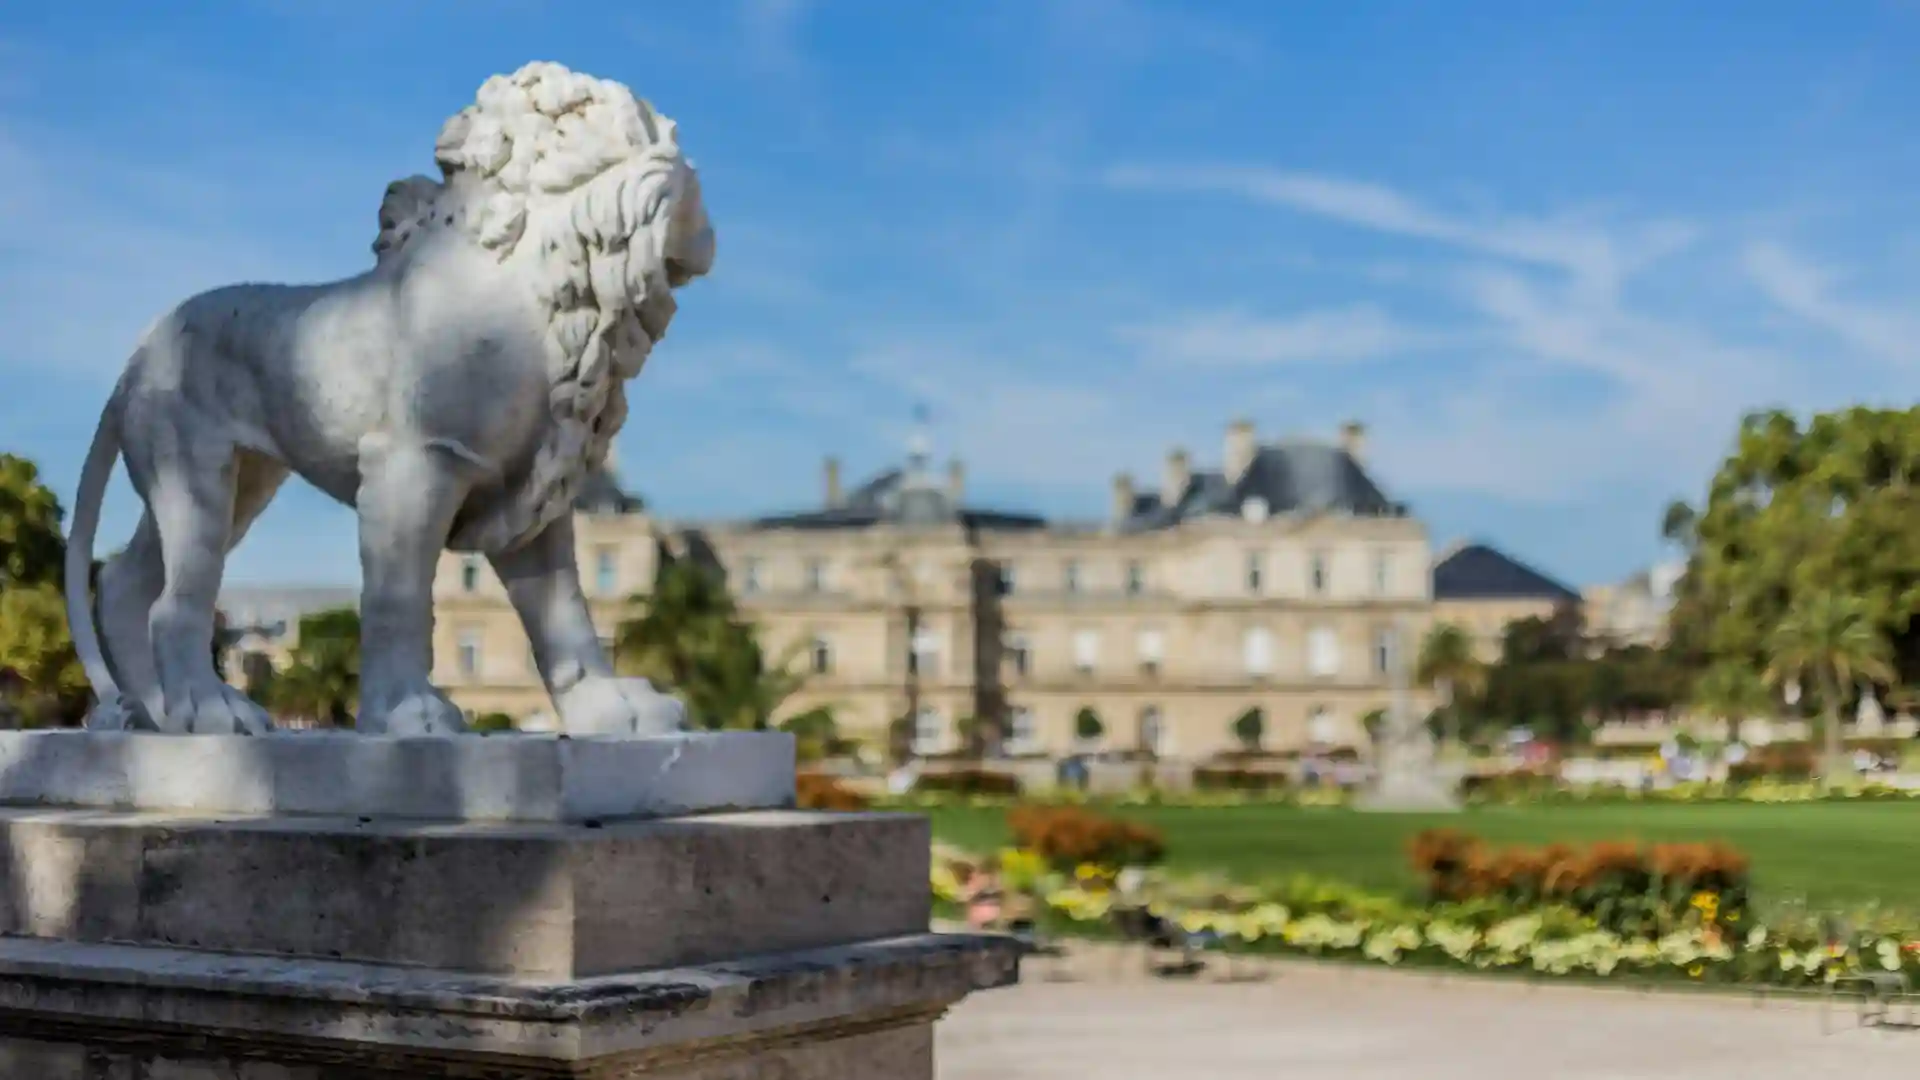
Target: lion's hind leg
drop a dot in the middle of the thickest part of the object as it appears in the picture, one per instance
(188, 473)
(129, 584)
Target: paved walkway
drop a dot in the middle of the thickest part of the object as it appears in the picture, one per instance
(1305, 1022)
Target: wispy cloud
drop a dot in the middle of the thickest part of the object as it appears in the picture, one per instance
(1806, 290)
(1230, 339)
(1597, 256)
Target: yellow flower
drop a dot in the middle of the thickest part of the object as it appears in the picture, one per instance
(1696, 969)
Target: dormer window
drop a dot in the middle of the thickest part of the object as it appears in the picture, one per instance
(1255, 509)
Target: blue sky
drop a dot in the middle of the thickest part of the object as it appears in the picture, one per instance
(1549, 253)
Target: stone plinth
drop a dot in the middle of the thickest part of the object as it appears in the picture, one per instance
(533, 778)
(194, 945)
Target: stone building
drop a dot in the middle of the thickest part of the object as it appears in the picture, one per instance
(1482, 590)
(1276, 580)
(1634, 611)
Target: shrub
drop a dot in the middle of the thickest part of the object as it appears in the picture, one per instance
(1250, 729)
(1239, 778)
(968, 782)
(1069, 836)
(493, 721)
(816, 791)
(1087, 726)
(1620, 884)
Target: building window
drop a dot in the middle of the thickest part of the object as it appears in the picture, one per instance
(1254, 564)
(1023, 734)
(929, 732)
(1153, 732)
(470, 573)
(1323, 652)
(816, 575)
(1317, 574)
(923, 653)
(606, 571)
(1152, 647)
(750, 575)
(1322, 728)
(1256, 650)
(1070, 576)
(1382, 573)
(469, 651)
(1019, 655)
(1255, 509)
(1086, 651)
(1136, 579)
(820, 653)
(1383, 652)
(1008, 579)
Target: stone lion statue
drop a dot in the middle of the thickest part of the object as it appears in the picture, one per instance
(455, 395)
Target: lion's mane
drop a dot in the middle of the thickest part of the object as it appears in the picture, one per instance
(565, 177)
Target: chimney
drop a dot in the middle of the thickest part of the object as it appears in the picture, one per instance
(1173, 482)
(956, 482)
(1122, 497)
(831, 469)
(1240, 449)
(1353, 439)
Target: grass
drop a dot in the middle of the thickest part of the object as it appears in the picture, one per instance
(1827, 854)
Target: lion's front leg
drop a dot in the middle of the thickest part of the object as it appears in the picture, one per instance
(407, 501)
(543, 581)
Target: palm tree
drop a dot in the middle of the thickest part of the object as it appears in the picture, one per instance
(689, 638)
(1829, 640)
(1447, 664)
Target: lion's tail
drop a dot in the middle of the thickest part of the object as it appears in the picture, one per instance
(79, 564)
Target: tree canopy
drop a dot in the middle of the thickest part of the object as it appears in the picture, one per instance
(1799, 510)
(32, 546)
(321, 679)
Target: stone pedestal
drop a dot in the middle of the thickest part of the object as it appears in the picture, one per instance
(149, 944)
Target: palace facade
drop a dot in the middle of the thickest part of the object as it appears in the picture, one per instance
(1281, 579)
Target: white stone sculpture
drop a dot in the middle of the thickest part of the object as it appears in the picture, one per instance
(455, 395)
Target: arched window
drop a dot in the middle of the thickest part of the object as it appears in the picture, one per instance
(1256, 650)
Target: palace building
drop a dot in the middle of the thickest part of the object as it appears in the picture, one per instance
(1281, 579)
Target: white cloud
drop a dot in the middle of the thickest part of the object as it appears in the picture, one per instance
(1236, 339)
(1597, 256)
(1806, 290)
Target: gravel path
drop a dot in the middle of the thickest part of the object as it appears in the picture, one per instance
(1307, 1022)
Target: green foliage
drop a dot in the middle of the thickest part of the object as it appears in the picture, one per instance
(1799, 510)
(31, 545)
(1729, 691)
(816, 734)
(322, 677)
(35, 648)
(691, 639)
(1087, 726)
(1250, 729)
(491, 722)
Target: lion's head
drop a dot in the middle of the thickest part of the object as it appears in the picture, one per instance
(580, 187)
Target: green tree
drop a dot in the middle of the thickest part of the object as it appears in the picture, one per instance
(1087, 726)
(1447, 664)
(1729, 691)
(1829, 641)
(1250, 729)
(322, 677)
(1795, 510)
(31, 544)
(37, 656)
(690, 639)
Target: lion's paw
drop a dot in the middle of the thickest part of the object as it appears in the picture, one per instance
(214, 708)
(418, 713)
(615, 706)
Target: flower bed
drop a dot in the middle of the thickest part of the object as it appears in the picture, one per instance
(1712, 938)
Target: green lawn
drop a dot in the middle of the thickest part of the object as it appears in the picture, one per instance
(1825, 853)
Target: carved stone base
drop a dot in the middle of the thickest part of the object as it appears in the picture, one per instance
(863, 1012)
(771, 943)
(1408, 793)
